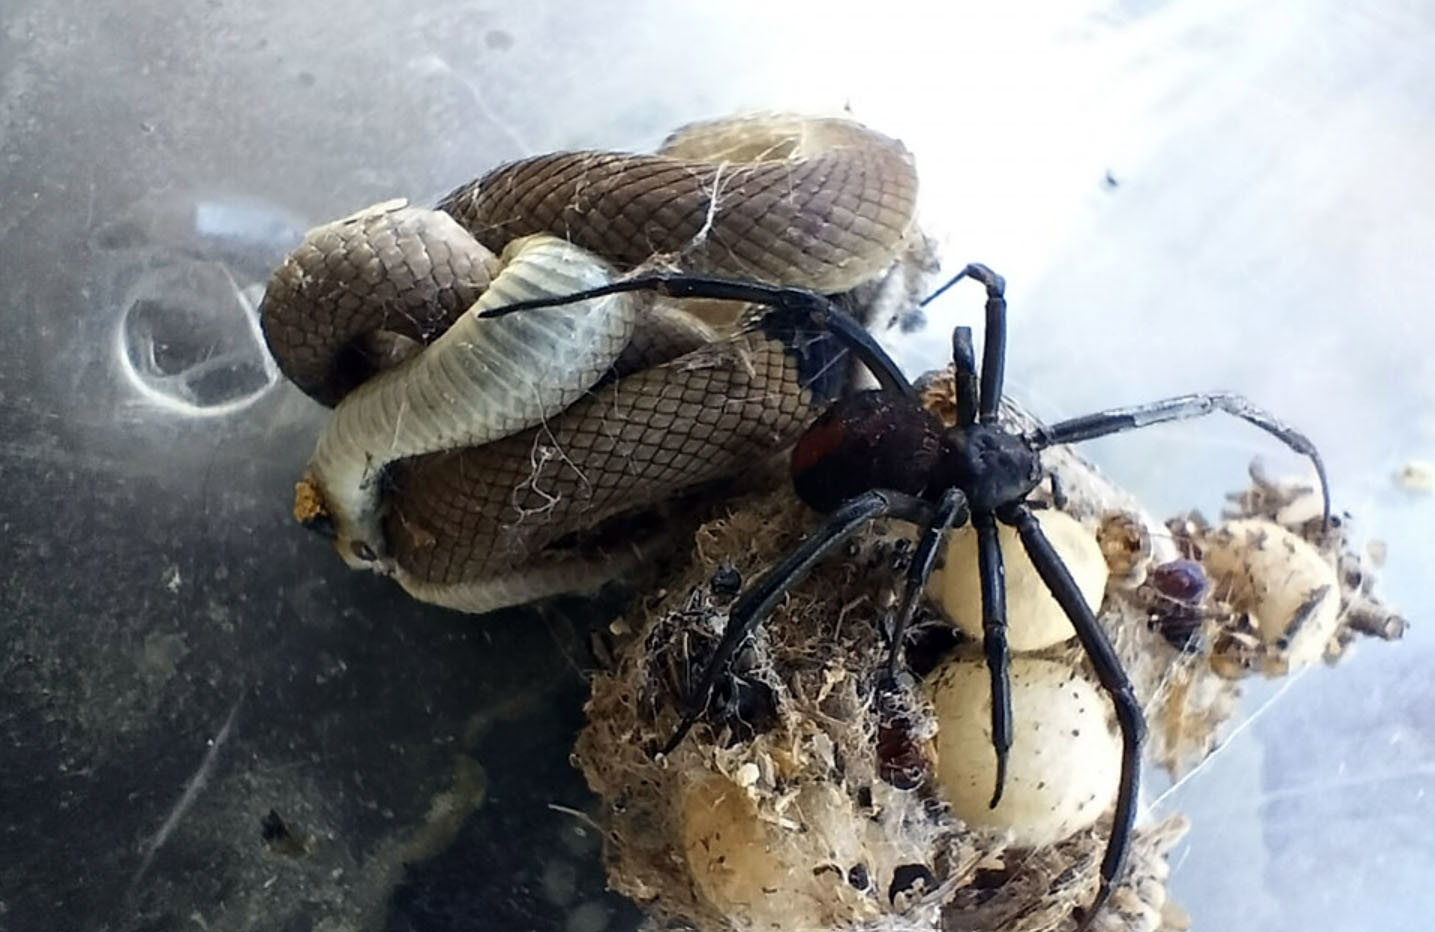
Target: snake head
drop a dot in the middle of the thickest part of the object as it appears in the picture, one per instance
(312, 512)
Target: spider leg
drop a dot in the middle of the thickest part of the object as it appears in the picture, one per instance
(757, 603)
(994, 641)
(1181, 408)
(1113, 679)
(1058, 494)
(1058, 491)
(951, 512)
(964, 362)
(994, 341)
(813, 307)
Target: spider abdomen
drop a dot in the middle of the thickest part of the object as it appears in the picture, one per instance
(864, 441)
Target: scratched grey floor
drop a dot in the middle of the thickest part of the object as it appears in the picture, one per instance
(178, 660)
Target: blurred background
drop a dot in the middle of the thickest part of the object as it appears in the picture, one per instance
(208, 723)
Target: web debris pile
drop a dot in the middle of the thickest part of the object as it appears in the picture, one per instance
(808, 800)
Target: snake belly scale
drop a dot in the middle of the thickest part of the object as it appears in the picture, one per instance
(467, 457)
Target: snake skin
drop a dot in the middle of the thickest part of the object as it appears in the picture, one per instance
(389, 268)
(467, 513)
(828, 223)
(815, 203)
(820, 204)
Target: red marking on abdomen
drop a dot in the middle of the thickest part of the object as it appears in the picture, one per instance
(815, 445)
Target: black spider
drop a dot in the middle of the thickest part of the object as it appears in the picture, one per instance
(879, 454)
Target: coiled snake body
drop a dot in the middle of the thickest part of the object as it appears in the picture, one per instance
(469, 457)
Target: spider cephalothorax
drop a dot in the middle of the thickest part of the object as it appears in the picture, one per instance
(875, 440)
(880, 454)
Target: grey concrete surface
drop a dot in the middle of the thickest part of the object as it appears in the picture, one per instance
(1230, 194)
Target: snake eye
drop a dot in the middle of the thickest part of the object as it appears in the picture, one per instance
(363, 551)
(321, 524)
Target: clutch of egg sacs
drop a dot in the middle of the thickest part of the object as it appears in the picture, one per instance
(841, 812)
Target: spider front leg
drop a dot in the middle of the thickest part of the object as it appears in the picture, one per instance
(758, 602)
(993, 342)
(964, 366)
(989, 396)
(994, 642)
(1113, 679)
(1182, 408)
(813, 309)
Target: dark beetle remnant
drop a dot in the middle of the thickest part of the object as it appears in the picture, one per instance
(903, 755)
(1181, 581)
(911, 880)
(1177, 590)
(726, 582)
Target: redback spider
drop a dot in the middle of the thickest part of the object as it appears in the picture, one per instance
(880, 454)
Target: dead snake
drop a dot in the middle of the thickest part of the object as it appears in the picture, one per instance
(464, 454)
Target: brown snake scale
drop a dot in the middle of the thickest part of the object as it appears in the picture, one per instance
(408, 273)
(821, 204)
(631, 445)
(827, 226)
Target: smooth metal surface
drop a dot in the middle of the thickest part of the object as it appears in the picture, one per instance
(1218, 195)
